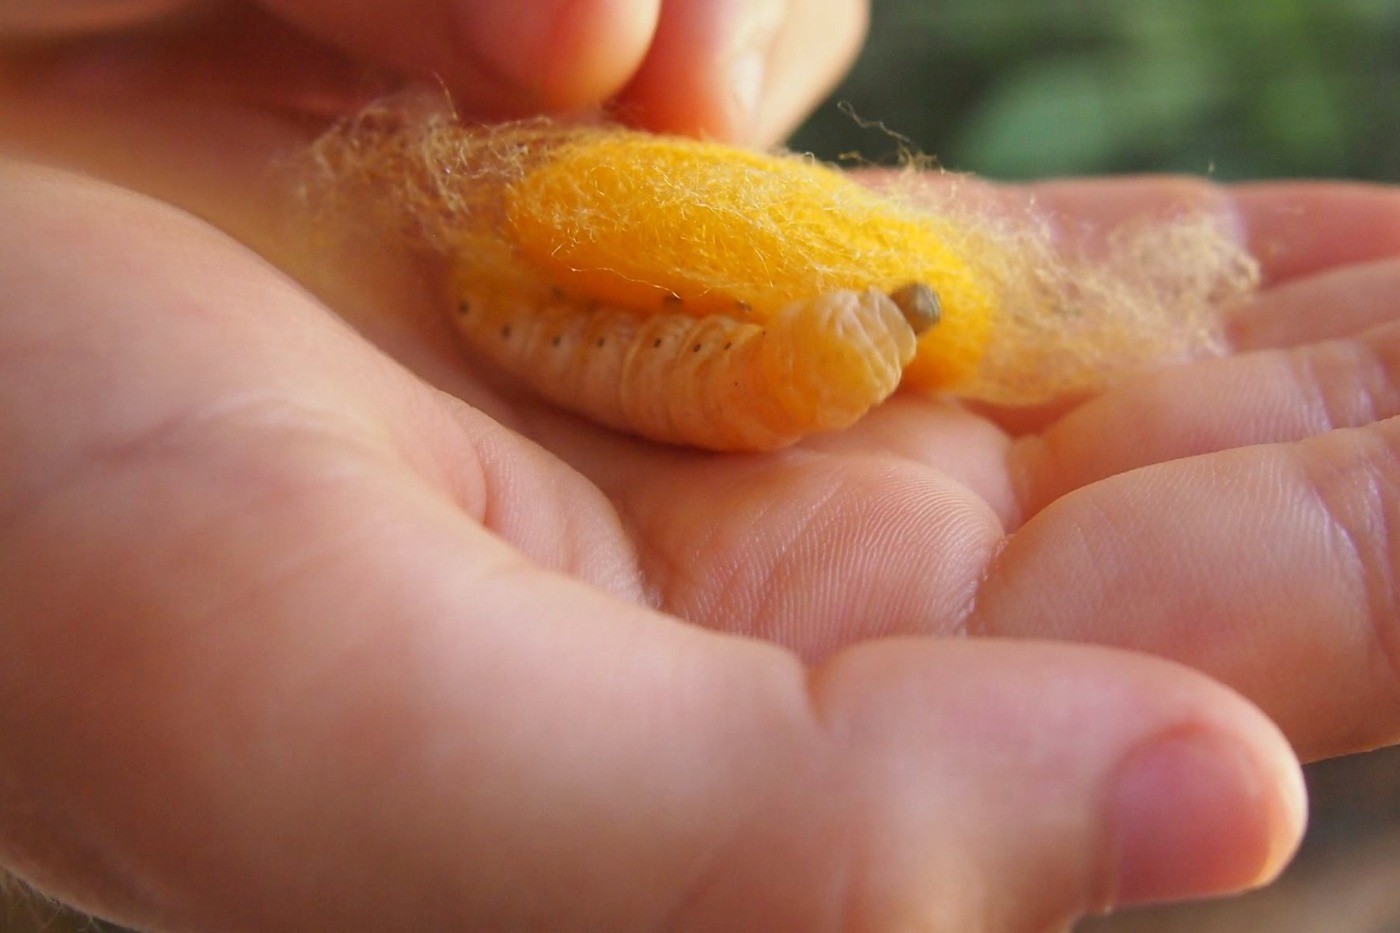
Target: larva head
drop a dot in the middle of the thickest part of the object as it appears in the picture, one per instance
(647, 221)
(919, 305)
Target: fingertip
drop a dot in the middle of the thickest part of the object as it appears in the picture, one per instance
(816, 48)
(1198, 812)
(703, 71)
(560, 55)
(1300, 228)
(742, 71)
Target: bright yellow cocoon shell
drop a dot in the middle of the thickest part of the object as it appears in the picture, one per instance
(661, 222)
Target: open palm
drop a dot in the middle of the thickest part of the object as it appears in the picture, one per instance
(331, 614)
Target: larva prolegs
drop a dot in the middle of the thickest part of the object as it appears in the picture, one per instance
(715, 381)
(565, 352)
(662, 364)
(715, 361)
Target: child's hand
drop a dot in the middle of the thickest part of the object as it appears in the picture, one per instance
(293, 638)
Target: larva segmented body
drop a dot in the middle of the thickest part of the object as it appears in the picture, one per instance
(716, 381)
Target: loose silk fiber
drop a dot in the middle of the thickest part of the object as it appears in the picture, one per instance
(762, 297)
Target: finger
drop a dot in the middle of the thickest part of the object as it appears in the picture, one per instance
(25, 18)
(1299, 228)
(1272, 568)
(1294, 229)
(742, 70)
(266, 666)
(896, 679)
(1253, 398)
(498, 59)
(805, 538)
(945, 437)
(1258, 398)
(1332, 304)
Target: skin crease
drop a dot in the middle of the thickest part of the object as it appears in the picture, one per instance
(294, 638)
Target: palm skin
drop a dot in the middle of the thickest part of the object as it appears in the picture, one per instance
(333, 615)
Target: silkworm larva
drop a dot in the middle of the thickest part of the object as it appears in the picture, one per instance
(715, 381)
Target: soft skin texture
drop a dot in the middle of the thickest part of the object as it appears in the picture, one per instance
(310, 623)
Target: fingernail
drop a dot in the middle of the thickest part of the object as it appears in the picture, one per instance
(748, 66)
(746, 76)
(1195, 815)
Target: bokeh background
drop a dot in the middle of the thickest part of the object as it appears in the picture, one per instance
(1017, 89)
(1231, 89)
(1234, 89)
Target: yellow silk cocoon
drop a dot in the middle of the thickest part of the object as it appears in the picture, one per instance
(539, 214)
(652, 221)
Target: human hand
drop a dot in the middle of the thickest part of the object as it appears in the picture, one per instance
(741, 70)
(294, 638)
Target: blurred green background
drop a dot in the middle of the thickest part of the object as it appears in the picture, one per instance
(1237, 89)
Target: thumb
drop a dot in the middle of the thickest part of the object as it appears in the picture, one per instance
(523, 751)
(1017, 786)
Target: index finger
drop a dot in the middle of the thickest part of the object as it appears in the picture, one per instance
(1294, 228)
